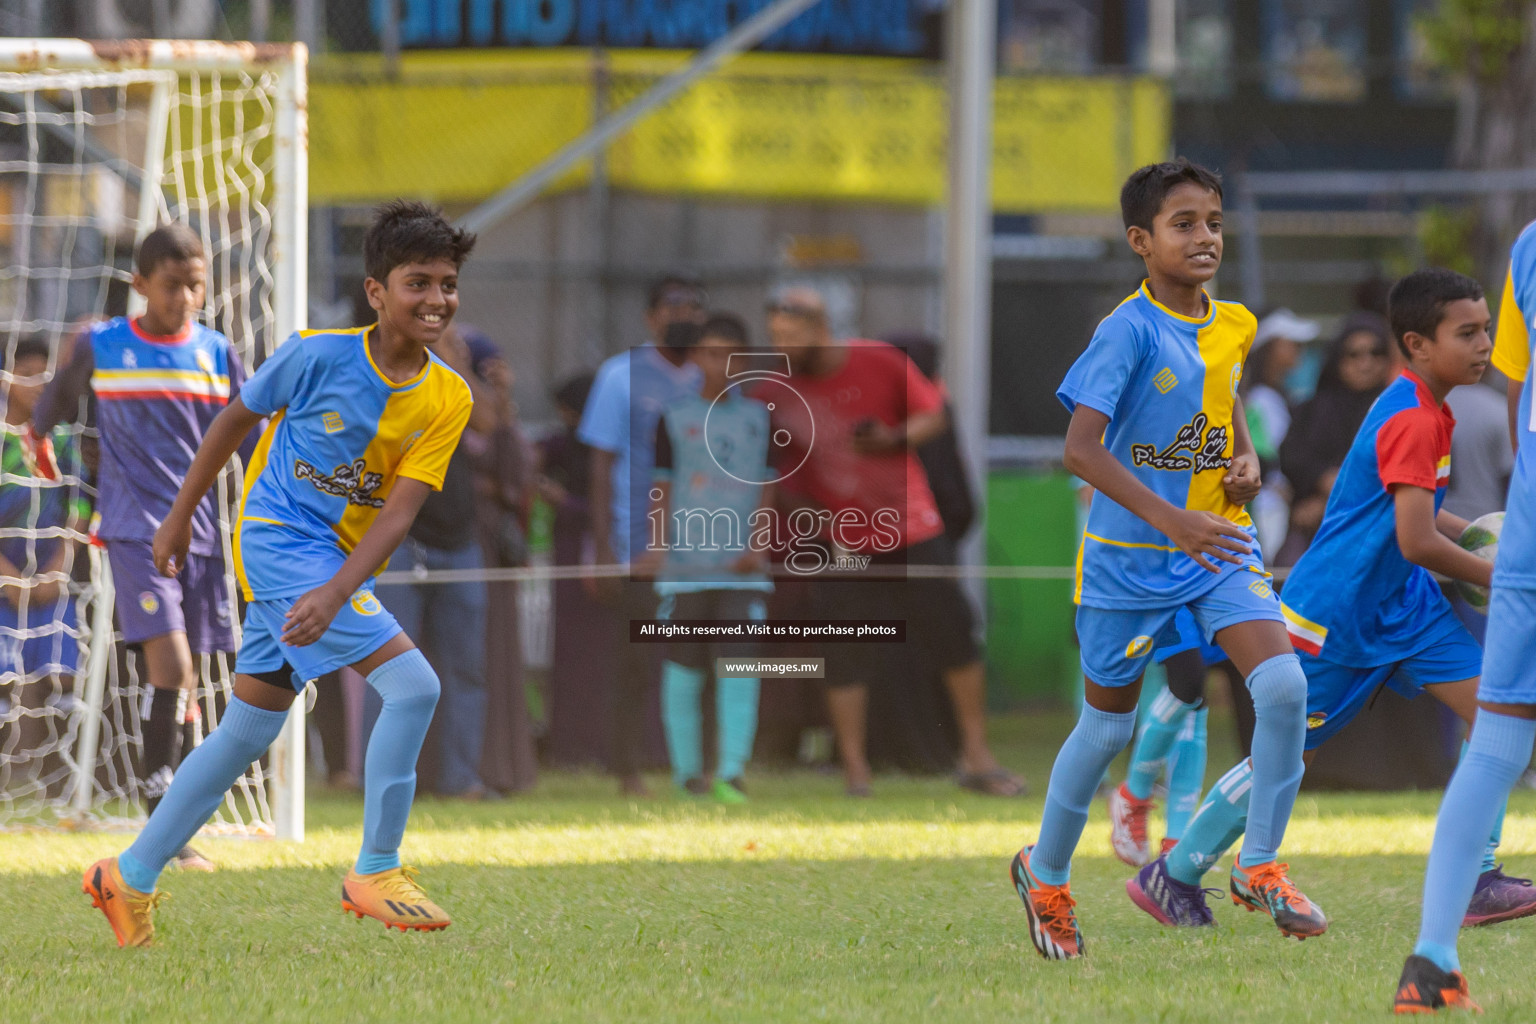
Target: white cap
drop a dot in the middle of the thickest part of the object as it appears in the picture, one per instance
(1282, 323)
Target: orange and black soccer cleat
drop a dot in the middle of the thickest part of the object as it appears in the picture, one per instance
(128, 910)
(392, 897)
(1425, 988)
(1267, 888)
(1051, 909)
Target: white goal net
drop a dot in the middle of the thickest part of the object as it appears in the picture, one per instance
(98, 148)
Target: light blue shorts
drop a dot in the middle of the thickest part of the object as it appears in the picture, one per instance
(1117, 643)
(1509, 651)
(1337, 693)
(361, 627)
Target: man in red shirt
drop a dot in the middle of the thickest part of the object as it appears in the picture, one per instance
(848, 453)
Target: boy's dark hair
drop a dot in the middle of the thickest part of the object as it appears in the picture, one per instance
(29, 348)
(727, 327)
(167, 243)
(405, 231)
(1418, 301)
(1142, 195)
(668, 283)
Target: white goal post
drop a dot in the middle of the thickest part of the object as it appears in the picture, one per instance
(99, 143)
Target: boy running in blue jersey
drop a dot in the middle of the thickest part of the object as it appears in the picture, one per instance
(1499, 749)
(711, 479)
(1158, 431)
(158, 381)
(1361, 605)
(360, 427)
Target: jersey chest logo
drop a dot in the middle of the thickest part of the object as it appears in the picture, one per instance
(1206, 448)
(351, 481)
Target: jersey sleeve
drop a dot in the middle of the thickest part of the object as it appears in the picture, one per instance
(1100, 375)
(277, 380)
(663, 467)
(605, 420)
(1512, 347)
(427, 460)
(236, 367)
(922, 395)
(1407, 450)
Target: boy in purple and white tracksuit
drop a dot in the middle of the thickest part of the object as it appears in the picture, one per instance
(158, 381)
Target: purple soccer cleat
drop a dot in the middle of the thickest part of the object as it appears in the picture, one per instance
(1498, 897)
(1169, 900)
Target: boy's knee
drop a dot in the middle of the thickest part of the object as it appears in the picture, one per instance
(407, 682)
(1278, 681)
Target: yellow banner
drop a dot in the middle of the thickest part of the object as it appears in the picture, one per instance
(456, 127)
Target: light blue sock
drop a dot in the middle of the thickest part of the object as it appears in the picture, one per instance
(1097, 738)
(682, 719)
(1491, 851)
(736, 718)
(1279, 689)
(244, 733)
(1215, 826)
(1163, 721)
(1186, 772)
(409, 689)
(1500, 749)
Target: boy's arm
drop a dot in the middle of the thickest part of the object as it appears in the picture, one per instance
(1423, 544)
(225, 434)
(1197, 534)
(649, 561)
(752, 559)
(312, 613)
(1450, 524)
(1242, 481)
(61, 400)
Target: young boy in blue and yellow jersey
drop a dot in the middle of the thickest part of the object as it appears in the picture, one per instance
(361, 424)
(1499, 749)
(158, 380)
(1361, 606)
(1158, 431)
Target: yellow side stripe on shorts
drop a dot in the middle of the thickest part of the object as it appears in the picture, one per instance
(1128, 544)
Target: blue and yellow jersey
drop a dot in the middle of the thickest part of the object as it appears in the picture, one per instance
(340, 435)
(1168, 384)
(1516, 565)
(1353, 598)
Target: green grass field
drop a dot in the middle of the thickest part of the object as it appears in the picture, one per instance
(572, 905)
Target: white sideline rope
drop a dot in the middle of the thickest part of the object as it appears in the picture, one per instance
(576, 572)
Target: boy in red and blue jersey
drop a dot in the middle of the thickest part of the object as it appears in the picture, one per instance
(158, 381)
(1499, 749)
(1361, 606)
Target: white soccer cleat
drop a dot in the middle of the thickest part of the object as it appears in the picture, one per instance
(1128, 827)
